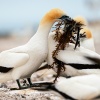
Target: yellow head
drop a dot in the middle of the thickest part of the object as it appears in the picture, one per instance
(87, 32)
(52, 15)
(80, 19)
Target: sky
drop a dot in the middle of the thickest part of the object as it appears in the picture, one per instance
(16, 14)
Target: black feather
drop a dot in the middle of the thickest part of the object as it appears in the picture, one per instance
(4, 69)
(85, 66)
(95, 60)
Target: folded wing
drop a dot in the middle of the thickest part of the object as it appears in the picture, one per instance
(77, 56)
(13, 59)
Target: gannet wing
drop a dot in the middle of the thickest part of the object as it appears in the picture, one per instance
(80, 85)
(78, 57)
(91, 80)
(96, 60)
(13, 59)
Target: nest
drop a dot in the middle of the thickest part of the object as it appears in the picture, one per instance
(71, 34)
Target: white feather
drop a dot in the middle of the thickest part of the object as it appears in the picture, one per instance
(80, 87)
(69, 55)
(88, 43)
(12, 59)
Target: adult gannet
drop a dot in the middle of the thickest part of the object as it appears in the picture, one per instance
(78, 62)
(87, 42)
(22, 61)
(73, 57)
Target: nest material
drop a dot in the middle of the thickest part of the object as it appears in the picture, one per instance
(70, 29)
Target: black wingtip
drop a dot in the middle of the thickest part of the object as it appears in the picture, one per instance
(4, 69)
(95, 60)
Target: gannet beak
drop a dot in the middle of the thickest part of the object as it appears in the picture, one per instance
(64, 17)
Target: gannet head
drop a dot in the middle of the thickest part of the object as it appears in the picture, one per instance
(53, 15)
(87, 32)
(80, 19)
(88, 42)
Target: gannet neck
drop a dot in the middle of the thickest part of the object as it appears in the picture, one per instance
(44, 29)
(52, 15)
(42, 33)
(46, 24)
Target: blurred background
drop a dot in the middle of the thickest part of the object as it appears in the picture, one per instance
(19, 19)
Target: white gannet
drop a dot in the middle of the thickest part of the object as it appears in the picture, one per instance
(22, 61)
(78, 62)
(71, 56)
(87, 42)
(79, 87)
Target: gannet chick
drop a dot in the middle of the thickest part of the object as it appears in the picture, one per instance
(87, 42)
(22, 61)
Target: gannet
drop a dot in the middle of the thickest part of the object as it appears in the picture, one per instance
(71, 56)
(77, 61)
(22, 61)
(78, 87)
(87, 42)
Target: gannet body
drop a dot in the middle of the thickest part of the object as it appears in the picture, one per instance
(22, 61)
(71, 56)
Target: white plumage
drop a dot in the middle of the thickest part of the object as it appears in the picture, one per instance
(87, 42)
(69, 55)
(78, 56)
(26, 59)
(79, 87)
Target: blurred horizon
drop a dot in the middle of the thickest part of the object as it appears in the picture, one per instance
(19, 14)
